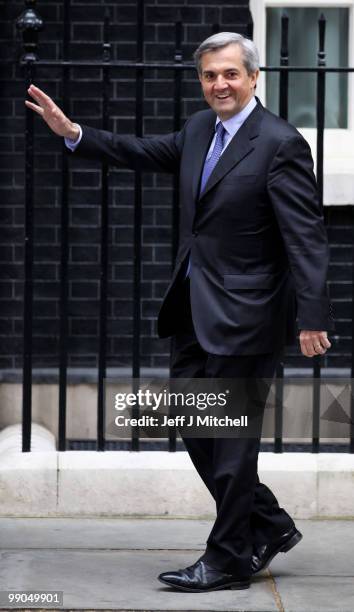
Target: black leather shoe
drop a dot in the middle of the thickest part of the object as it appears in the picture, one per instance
(263, 555)
(201, 577)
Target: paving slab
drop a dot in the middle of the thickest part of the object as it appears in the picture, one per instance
(112, 564)
(122, 580)
(133, 534)
(316, 593)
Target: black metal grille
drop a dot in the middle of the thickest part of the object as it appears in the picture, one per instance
(30, 24)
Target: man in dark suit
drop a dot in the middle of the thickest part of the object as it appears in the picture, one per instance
(253, 249)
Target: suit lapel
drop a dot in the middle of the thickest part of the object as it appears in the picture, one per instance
(240, 146)
(201, 146)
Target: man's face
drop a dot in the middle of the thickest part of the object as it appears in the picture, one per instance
(226, 85)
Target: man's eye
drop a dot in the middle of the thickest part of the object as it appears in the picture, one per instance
(232, 75)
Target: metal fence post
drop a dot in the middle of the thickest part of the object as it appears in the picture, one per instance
(139, 103)
(29, 23)
(64, 249)
(321, 76)
(104, 248)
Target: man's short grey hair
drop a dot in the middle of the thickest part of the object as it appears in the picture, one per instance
(222, 39)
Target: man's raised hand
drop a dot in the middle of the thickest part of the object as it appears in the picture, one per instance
(52, 114)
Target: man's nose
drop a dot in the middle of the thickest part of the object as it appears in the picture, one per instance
(220, 82)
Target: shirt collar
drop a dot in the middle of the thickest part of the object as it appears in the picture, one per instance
(234, 123)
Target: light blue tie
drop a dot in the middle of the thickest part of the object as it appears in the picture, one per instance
(209, 166)
(210, 163)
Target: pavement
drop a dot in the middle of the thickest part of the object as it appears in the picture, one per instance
(112, 564)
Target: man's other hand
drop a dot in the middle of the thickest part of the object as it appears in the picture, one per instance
(51, 113)
(314, 343)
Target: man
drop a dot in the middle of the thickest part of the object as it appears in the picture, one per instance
(251, 237)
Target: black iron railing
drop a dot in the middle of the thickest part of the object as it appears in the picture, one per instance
(30, 24)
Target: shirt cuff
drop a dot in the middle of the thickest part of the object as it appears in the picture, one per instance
(72, 144)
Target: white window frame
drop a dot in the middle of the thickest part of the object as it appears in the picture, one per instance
(338, 143)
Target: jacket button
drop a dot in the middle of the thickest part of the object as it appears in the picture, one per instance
(195, 234)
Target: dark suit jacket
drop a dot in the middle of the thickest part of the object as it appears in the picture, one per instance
(256, 235)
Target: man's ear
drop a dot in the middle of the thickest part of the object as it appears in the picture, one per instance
(255, 75)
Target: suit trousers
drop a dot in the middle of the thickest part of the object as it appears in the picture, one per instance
(248, 514)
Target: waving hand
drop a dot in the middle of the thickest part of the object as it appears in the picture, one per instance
(59, 123)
